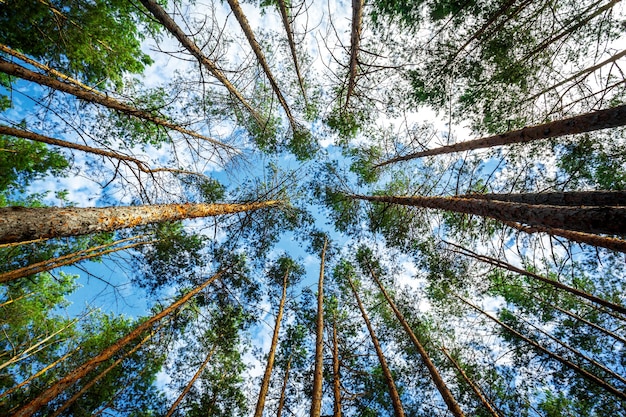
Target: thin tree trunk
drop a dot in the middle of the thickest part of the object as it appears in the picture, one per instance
(89, 96)
(25, 223)
(607, 242)
(393, 392)
(318, 375)
(169, 24)
(20, 133)
(581, 319)
(336, 378)
(265, 384)
(569, 198)
(583, 372)
(13, 300)
(69, 259)
(256, 48)
(38, 374)
(609, 220)
(283, 390)
(61, 385)
(355, 40)
(588, 122)
(191, 382)
(443, 389)
(284, 14)
(486, 403)
(13, 244)
(502, 264)
(102, 374)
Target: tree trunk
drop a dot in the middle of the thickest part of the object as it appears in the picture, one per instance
(91, 97)
(69, 259)
(6, 130)
(318, 375)
(570, 198)
(191, 382)
(588, 122)
(169, 24)
(284, 14)
(70, 379)
(265, 384)
(447, 396)
(607, 242)
(336, 378)
(355, 41)
(609, 220)
(22, 223)
(393, 392)
(472, 385)
(283, 390)
(247, 30)
(584, 373)
(502, 264)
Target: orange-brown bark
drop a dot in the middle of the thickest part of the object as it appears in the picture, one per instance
(22, 223)
(569, 198)
(318, 373)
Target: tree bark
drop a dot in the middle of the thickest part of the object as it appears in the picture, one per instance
(355, 41)
(169, 24)
(191, 382)
(393, 392)
(265, 384)
(569, 198)
(283, 390)
(74, 376)
(284, 14)
(19, 133)
(337, 412)
(502, 264)
(583, 372)
(92, 97)
(22, 223)
(609, 220)
(588, 122)
(256, 48)
(472, 385)
(318, 375)
(443, 389)
(69, 259)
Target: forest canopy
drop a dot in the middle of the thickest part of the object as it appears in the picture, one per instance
(312, 208)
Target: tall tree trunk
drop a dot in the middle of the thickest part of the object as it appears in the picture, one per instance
(20, 133)
(355, 45)
(69, 259)
(102, 374)
(318, 375)
(256, 48)
(265, 384)
(607, 242)
(583, 372)
(609, 220)
(169, 24)
(74, 376)
(22, 223)
(443, 389)
(393, 392)
(502, 264)
(283, 390)
(569, 198)
(588, 122)
(336, 378)
(486, 403)
(191, 382)
(16, 70)
(284, 14)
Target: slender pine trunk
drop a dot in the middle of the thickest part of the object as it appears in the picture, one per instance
(265, 384)
(74, 376)
(25, 223)
(588, 122)
(284, 14)
(393, 391)
(355, 45)
(441, 385)
(283, 390)
(569, 198)
(318, 376)
(337, 412)
(609, 220)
